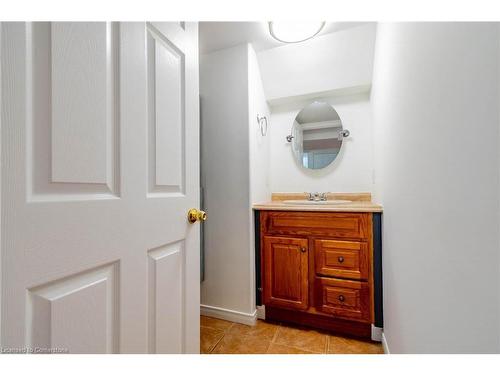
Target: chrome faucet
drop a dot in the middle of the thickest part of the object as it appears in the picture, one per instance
(317, 197)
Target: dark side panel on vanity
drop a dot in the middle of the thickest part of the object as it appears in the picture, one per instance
(317, 269)
(377, 269)
(258, 268)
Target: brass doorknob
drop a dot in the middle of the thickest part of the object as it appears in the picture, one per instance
(195, 215)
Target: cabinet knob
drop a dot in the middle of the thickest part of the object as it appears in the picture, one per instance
(341, 298)
(341, 259)
(303, 249)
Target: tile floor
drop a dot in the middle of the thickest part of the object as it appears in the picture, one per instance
(223, 337)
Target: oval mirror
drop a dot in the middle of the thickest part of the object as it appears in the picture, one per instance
(317, 135)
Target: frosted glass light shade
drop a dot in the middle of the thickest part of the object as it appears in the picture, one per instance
(294, 32)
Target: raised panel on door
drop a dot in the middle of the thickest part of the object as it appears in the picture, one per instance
(166, 114)
(83, 78)
(77, 314)
(72, 87)
(286, 272)
(166, 298)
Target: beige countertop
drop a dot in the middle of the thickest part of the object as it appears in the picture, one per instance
(360, 202)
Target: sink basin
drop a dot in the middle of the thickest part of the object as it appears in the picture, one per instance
(315, 203)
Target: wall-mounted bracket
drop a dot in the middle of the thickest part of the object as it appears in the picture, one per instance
(344, 134)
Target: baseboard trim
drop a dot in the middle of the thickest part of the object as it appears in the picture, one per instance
(230, 315)
(384, 345)
(261, 312)
(376, 333)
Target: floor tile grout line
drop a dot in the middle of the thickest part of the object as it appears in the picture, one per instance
(268, 347)
(223, 331)
(275, 336)
(217, 343)
(272, 340)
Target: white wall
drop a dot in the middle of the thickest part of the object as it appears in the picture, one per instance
(235, 175)
(259, 145)
(436, 119)
(225, 165)
(352, 169)
(332, 62)
(259, 151)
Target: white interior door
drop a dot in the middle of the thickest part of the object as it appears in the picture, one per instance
(99, 158)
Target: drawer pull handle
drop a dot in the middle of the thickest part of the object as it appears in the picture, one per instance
(341, 259)
(341, 298)
(303, 249)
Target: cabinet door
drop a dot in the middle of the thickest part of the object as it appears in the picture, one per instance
(286, 272)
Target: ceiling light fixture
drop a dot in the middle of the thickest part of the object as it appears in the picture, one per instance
(294, 32)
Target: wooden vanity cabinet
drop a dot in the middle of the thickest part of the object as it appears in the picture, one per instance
(317, 269)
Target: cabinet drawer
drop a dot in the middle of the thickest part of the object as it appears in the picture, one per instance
(343, 225)
(343, 298)
(345, 259)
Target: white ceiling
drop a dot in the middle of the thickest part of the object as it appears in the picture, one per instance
(219, 35)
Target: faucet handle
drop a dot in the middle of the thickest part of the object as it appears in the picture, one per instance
(322, 196)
